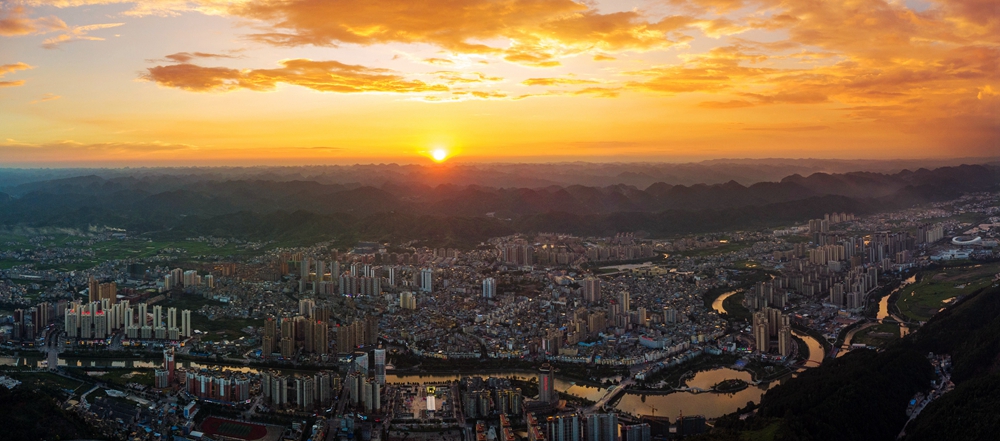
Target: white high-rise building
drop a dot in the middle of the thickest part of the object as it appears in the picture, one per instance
(426, 280)
(157, 315)
(186, 323)
(489, 287)
(191, 278)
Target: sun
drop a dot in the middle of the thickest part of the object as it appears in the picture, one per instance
(439, 155)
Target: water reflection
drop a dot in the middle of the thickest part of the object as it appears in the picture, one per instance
(593, 393)
(709, 404)
(883, 304)
(717, 304)
(706, 379)
(816, 352)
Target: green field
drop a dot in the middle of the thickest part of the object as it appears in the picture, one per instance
(221, 329)
(877, 335)
(218, 329)
(47, 379)
(722, 249)
(189, 301)
(936, 288)
(133, 248)
(114, 249)
(122, 377)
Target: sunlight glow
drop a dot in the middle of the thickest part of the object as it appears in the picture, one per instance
(439, 154)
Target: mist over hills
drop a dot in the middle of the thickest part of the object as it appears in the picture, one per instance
(229, 202)
(503, 175)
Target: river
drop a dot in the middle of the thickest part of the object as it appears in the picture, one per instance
(717, 304)
(709, 404)
(883, 305)
(816, 353)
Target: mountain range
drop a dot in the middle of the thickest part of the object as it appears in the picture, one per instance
(194, 204)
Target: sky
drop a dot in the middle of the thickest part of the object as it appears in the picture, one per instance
(240, 82)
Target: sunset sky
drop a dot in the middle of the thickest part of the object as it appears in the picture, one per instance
(215, 82)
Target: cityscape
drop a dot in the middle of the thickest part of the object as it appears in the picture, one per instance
(499, 220)
(525, 336)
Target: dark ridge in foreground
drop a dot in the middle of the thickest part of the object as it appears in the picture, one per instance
(863, 395)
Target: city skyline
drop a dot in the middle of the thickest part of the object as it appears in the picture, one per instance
(141, 83)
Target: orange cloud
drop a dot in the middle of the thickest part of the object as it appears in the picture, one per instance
(14, 21)
(141, 8)
(77, 33)
(731, 104)
(555, 81)
(69, 151)
(323, 76)
(8, 68)
(452, 77)
(439, 61)
(539, 31)
(46, 97)
(786, 128)
(184, 57)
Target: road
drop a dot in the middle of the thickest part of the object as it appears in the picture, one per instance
(933, 395)
(83, 398)
(846, 347)
(620, 389)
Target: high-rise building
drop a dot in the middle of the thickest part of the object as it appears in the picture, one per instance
(426, 280)
(380, 366)
(785, 341)
(371, 330)
(564, 427)
(669, 315)
(287, 347)
(191, 279)
(623, 300)
(304, 269)
(93, 290)
(489, 287)
(321, 337)
(637, 432)
(602, 427)
(407, 300)
(267, 346)
(186, 323)
(592, 290)
(288, 328)
(157, 316)
(762, 337)
(177, 276)
(546, 385)
(169, 364)
(361, 362)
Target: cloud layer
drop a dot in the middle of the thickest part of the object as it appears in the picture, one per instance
(323, 76)
(885, 69)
